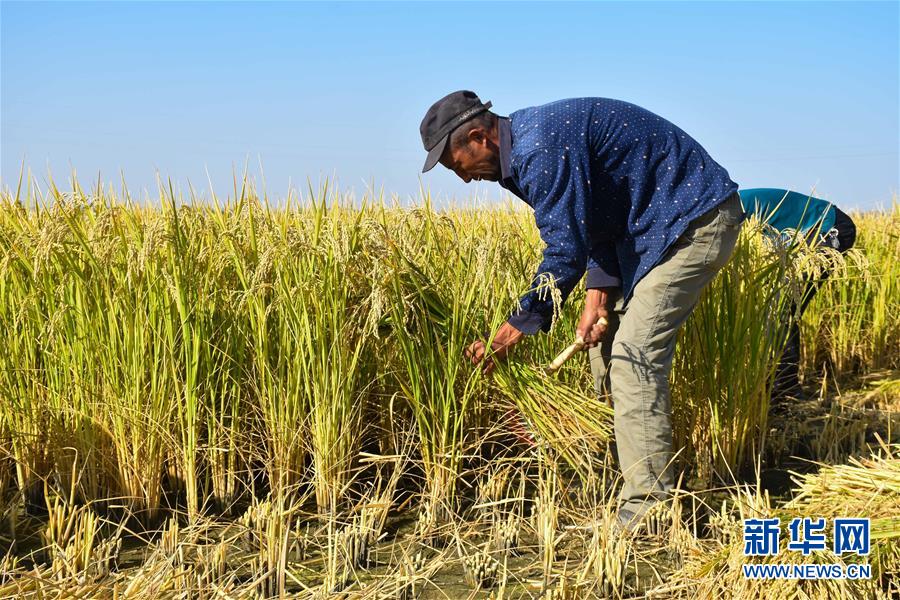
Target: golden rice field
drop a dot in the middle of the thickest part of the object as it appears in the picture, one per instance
(217, 398)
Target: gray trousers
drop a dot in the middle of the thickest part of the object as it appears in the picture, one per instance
(632, 364)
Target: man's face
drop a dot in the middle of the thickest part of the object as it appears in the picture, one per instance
(479, 159)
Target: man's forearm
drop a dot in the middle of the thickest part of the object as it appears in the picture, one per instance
(600, 297)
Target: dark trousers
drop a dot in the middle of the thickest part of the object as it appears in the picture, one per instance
(787, 375)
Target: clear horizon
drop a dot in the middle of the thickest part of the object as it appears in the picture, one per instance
(803, 96)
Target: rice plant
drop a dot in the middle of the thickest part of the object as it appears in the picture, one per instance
(575, 424)
(853, 322)
(432, 322)
(169, 366)
(725, 360)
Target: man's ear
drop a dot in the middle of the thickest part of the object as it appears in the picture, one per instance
(477, 135)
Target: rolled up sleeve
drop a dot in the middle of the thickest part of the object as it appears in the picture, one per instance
(603, 267)
(556, 184)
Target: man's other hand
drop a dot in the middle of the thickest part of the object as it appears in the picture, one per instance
(506, 337)
(594, 318)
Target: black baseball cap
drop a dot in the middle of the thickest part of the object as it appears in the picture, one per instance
(443, 117)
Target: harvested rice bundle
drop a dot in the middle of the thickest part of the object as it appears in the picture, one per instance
(573, 423)
(864, 488)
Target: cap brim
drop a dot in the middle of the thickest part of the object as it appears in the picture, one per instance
(434, 155)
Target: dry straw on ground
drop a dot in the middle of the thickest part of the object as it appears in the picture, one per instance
(222, 399)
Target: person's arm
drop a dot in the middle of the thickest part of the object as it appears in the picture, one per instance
(603, 267)
(602, 280)
(556, 184)
(595, 317)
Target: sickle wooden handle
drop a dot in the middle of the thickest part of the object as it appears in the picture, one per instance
(565, 355)
(569, 352)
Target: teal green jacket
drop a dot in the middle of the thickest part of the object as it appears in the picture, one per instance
(783, 209)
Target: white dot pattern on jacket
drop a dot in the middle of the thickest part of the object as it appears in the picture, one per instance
(612, 186)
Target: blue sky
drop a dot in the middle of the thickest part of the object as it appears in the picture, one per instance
(795, 95)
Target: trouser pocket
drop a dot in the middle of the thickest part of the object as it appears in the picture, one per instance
(726, 232)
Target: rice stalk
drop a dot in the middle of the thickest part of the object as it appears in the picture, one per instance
(574, 424)
(725, 360)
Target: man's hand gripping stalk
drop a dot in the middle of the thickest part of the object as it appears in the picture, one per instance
(594, 318)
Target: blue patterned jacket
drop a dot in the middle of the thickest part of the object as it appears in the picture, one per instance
(612, 186)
